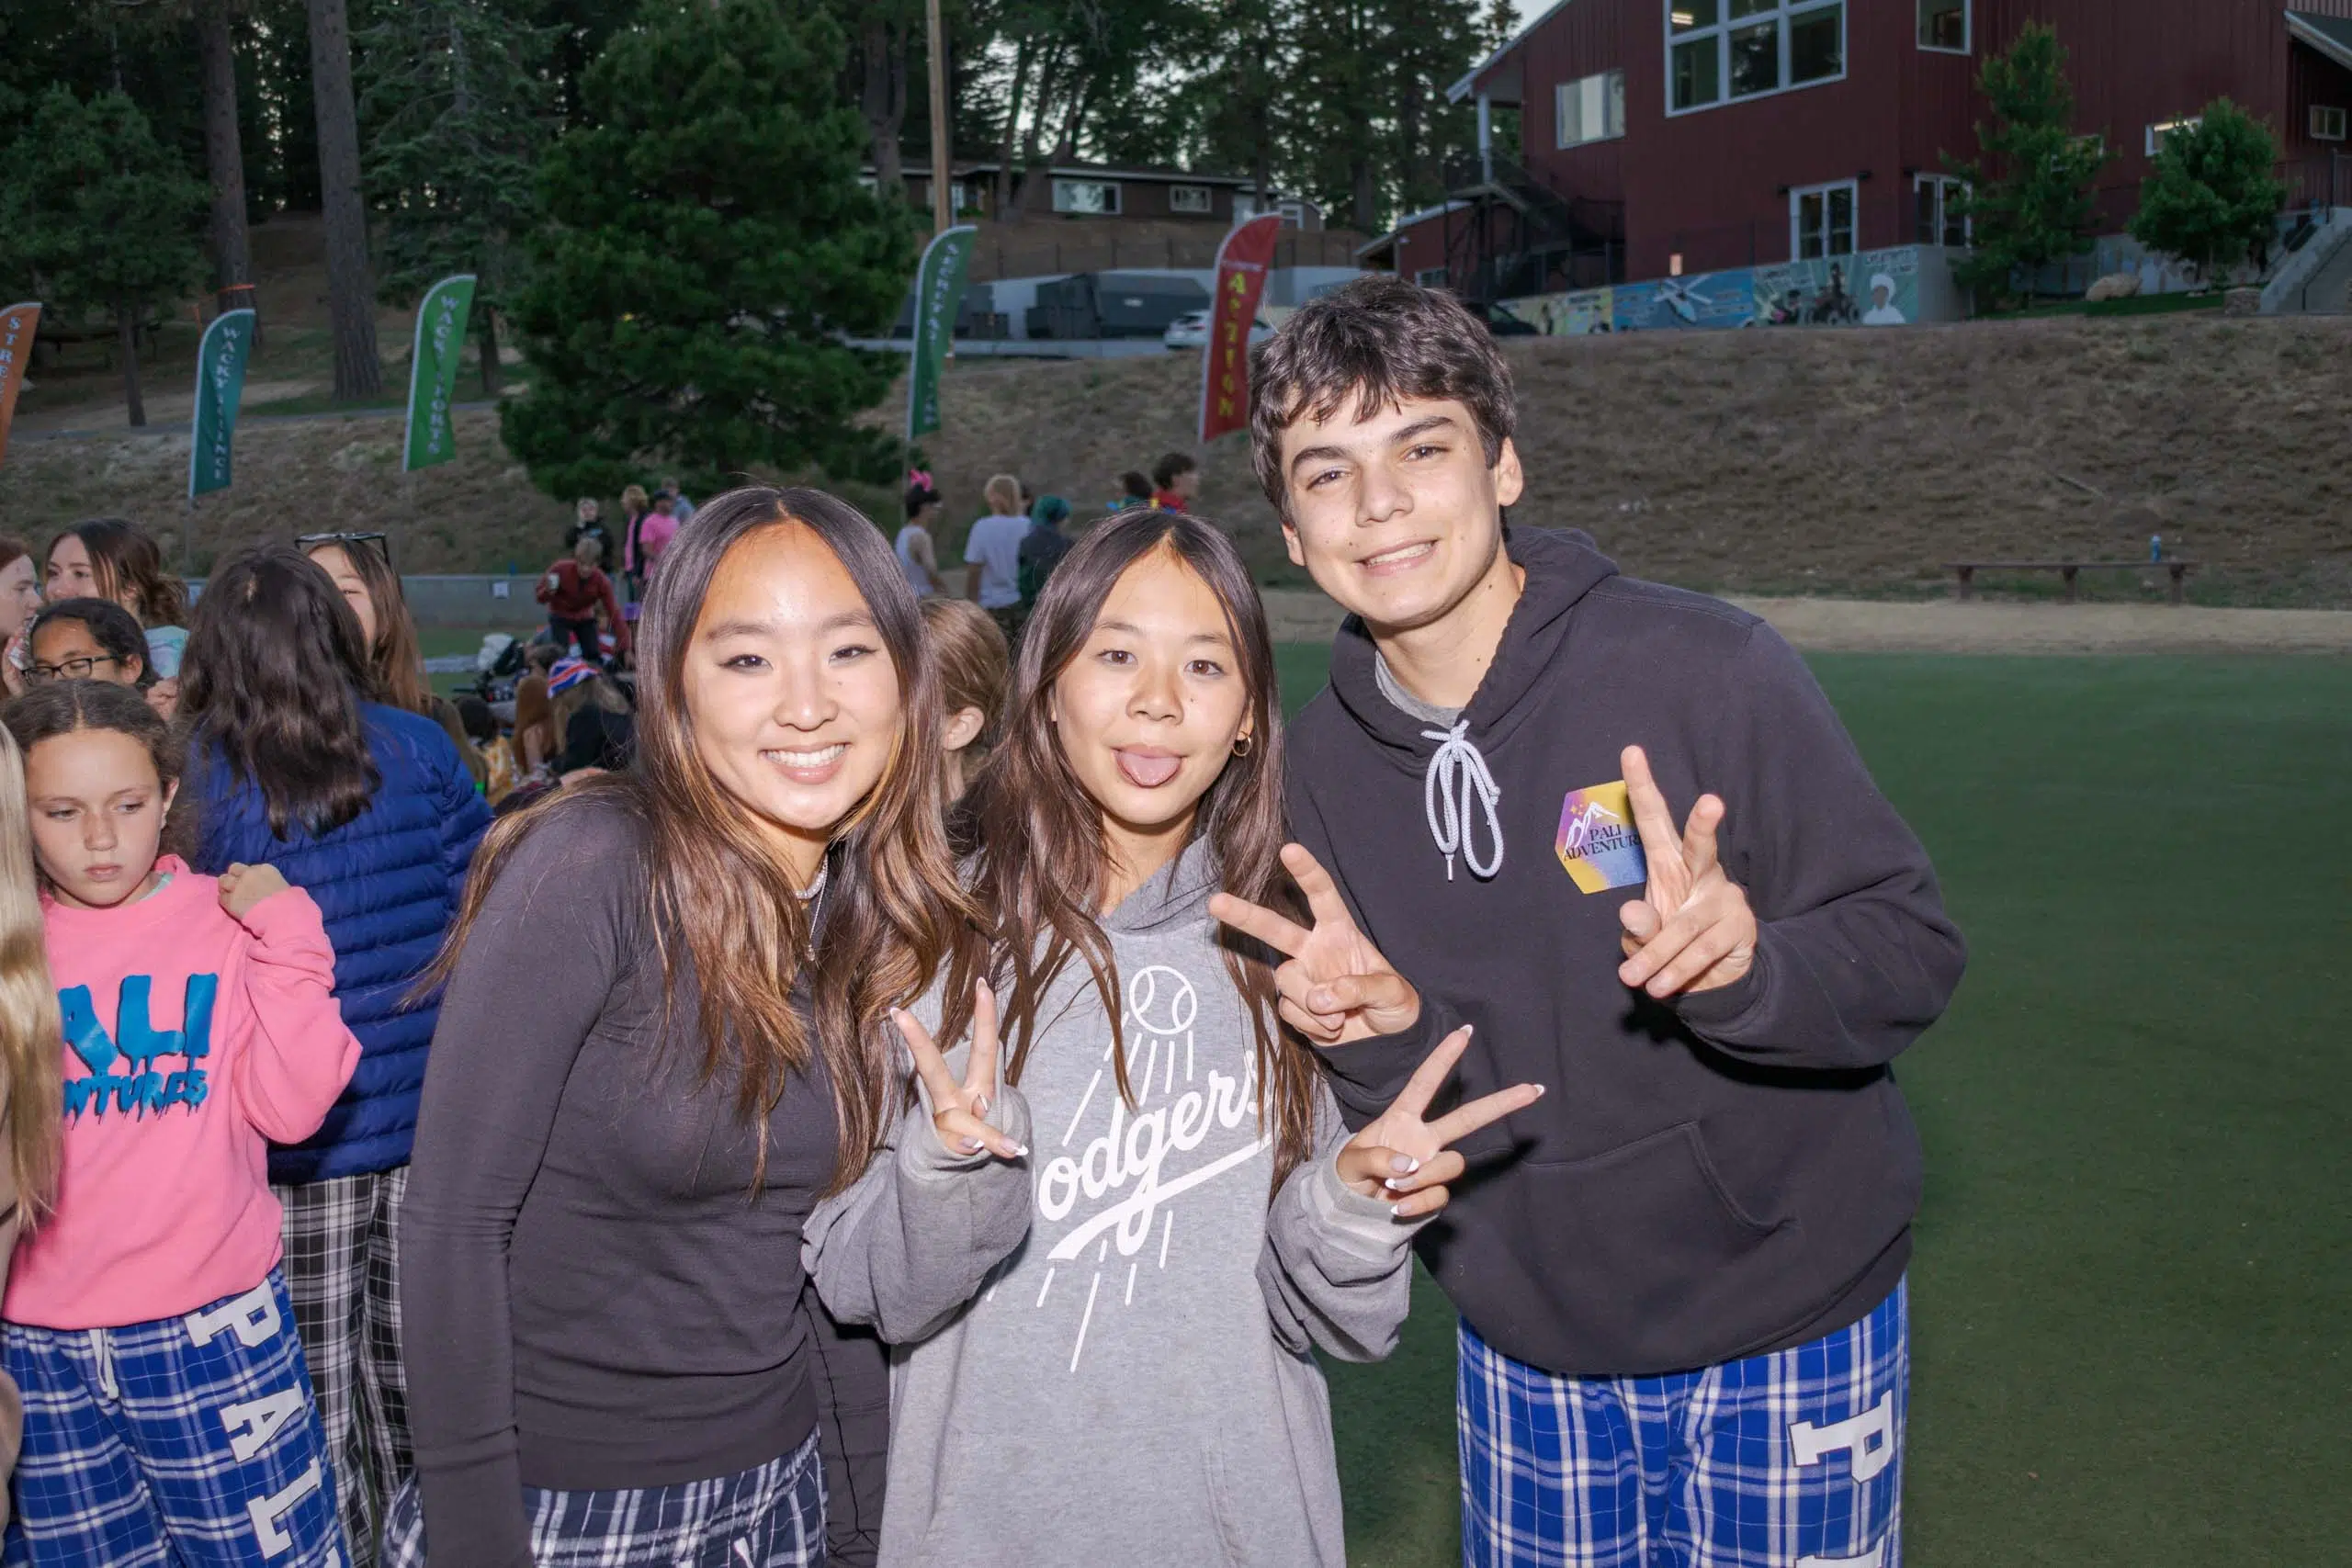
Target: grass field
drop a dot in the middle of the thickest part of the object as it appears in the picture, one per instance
(2133, 1297)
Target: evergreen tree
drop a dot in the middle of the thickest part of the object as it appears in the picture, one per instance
(351, 291)
(2029, 195)
(104, 217)
(2212, 198)
(707, 245)
(459, 116)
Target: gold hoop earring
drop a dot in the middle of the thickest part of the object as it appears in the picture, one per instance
(1241, 745)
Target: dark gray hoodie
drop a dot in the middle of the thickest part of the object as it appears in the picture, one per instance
(1134, 1382)
(1732, 1173)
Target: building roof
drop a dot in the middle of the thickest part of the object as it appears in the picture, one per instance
(1423, 216)
(1507, 86)
(922, 166)
(2331, 36)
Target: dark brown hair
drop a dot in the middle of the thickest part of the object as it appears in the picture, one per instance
(111, 625)
(10, 548)
(63, 708)
(974, 663)
(892, 901)
(1041, 854)
(273, 681)
(127, 563)
(1168, 468)
(395, 663)
(1377, 339)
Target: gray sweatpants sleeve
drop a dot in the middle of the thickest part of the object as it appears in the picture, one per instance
(917, 1235)
(1337, 1267)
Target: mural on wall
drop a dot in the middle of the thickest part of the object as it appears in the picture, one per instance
(1871, 289)
(1674, 304)
(1586, 311)
(1875, 288)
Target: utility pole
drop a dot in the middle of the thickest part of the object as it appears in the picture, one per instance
(943, 172)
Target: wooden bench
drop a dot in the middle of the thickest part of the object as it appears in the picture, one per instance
(1966, 571)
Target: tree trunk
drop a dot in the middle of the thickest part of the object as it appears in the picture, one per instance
(883, 96)
(224, 157)
(351, 284)
(1002, 205)
(126, 343)
(486, 339)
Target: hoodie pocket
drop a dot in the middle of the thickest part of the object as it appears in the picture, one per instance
(1645, 1250)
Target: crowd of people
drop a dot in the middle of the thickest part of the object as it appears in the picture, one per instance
(719, 1157)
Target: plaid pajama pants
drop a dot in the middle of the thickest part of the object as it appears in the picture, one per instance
(189, 1442)
(342, 1271)
(1790, 1460)
(772, 1517)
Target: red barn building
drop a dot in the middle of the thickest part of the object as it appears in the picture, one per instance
(1668, 136)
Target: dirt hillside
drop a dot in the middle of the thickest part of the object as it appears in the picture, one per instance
(1812, 462)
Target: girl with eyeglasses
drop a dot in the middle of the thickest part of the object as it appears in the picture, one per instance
(92, 639)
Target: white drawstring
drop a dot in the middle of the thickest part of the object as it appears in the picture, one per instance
(1457, 773)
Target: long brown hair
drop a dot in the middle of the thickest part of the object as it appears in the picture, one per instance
(892, 899)
(125, 563)
(272, 681)
(1041, 852)
(395, 663)
(33, 1040)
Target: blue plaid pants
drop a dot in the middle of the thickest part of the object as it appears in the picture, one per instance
(1790, 1460)
(189, 1442)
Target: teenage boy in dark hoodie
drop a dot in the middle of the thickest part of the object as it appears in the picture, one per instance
(1683, 1330)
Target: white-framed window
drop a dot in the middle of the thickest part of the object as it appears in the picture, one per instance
(2157, 132)
(1590, 108)
(1943, 26)
(1430, 277)
(959, 196)
(1821, 220)
(1096, 197)
(1189, 199)
(1940, 220)
(1723, 51)
(2328, 122)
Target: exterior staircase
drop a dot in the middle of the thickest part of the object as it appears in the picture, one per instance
(2316, 280)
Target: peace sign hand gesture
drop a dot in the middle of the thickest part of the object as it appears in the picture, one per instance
(1692, 928)
(1404, 1158)
(1336, 989)
(956, 1109)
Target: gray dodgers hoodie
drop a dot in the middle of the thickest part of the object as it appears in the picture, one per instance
(1102, 1353)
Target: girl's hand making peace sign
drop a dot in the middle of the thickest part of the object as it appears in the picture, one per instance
(956, 1109)
(1404, 1158)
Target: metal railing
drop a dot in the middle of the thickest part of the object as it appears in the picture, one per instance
(1061, 255)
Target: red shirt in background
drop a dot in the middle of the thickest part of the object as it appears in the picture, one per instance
(574, 593)
(1168, 501)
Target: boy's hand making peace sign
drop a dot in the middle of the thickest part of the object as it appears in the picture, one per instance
(1336, 989)
(1692, 928)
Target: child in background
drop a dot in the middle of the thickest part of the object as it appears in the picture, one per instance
(973, 664)
(501, 771)
(1178, 480)
(168, 1411)
(29, 1046)
(1134, 489)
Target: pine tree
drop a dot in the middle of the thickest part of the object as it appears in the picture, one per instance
(707, 245)
(2028, 197)
(351, 291)
(104, 216)
(2213, 197)
(461, 113)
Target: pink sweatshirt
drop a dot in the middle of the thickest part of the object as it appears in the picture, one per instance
(191, 1040)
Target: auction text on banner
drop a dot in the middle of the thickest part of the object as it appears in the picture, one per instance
(432, 371)
(1241, 263)
(17, 324)
(939, 296)
(219, 384)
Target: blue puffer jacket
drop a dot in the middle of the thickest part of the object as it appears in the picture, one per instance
(388, 881)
